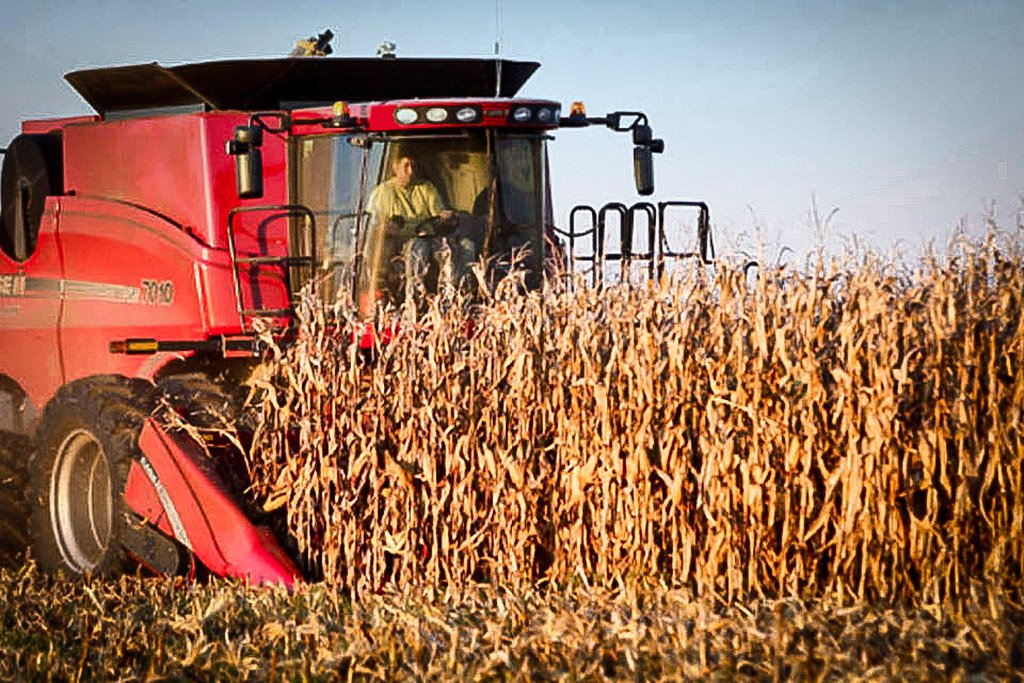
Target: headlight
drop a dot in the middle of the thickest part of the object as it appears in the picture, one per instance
(544, 115)
(466, 115)
(437, 114)
(406, 116)
(521, 114)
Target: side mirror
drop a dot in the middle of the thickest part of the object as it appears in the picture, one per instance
(643, 169)
(245, 147)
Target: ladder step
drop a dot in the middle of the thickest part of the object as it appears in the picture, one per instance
(277, 260)
(267, 312)
(632, 257)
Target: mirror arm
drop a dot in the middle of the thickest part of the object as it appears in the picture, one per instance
(645, 144)
(284, 121)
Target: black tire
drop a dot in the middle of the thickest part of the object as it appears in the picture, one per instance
(14, 452)
(32, 166)
(87, 439)
(200, 401)
(213, 413)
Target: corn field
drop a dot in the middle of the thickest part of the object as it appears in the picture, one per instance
(850, 430)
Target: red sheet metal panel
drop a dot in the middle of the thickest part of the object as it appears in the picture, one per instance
(201, 513)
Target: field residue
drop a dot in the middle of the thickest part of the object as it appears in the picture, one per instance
(134, 629)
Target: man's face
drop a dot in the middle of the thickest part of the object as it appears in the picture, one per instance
(403, 169)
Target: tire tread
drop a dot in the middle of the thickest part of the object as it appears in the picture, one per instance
(115, 407)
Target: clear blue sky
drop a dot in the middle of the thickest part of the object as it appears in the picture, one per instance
(905, 116)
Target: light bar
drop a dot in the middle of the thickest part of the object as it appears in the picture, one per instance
(534, 114)
(523, 114)
(408, 116)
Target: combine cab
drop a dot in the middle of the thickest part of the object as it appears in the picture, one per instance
(140, 244)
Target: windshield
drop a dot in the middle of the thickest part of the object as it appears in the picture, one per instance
(408, 216)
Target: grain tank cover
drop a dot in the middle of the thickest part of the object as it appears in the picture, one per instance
(261, 84)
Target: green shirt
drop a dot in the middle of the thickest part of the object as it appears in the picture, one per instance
(415, 202)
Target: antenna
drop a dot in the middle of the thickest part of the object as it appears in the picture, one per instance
(497, 47)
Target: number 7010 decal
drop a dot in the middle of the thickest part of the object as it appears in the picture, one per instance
(157, 292)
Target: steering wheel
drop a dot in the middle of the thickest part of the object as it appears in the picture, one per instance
(435, 226)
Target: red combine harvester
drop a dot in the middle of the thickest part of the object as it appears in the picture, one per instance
(140, 244)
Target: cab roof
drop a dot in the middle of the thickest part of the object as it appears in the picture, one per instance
(293, 82)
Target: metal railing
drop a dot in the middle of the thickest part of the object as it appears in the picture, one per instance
(285, 262)
(655, 252)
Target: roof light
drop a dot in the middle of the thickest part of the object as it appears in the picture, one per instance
(466, 115)
(521, 114)
(342, 117)
(544, 115)
(437, 114)
(406, 115)
(578, 110)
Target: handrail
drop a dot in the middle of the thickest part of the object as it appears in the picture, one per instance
(625, 226)
(286, 262)
(573, 234)
(652, 228)
(703, 230)
(657, 248)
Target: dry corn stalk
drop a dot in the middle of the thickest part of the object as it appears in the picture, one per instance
(852, 430)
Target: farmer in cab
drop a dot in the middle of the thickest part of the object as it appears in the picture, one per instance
(400, 206)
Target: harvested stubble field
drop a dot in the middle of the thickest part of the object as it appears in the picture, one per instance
(134, 629)
(813, 472)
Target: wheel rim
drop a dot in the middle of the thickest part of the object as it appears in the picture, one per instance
(81, 501)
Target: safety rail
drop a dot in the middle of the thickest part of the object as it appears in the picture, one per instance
(285, 262)
(654, 253)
